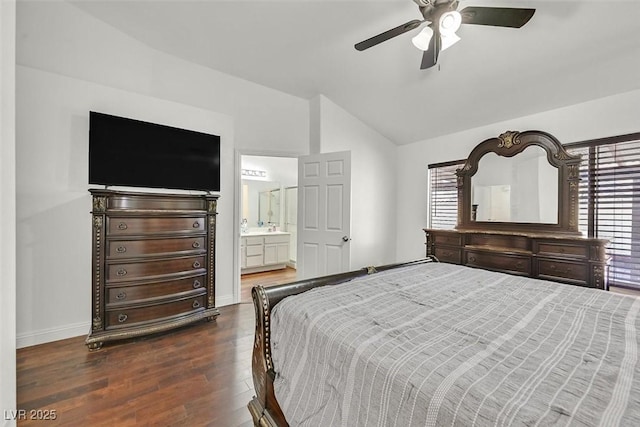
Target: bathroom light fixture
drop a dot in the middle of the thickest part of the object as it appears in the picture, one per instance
(253, 172)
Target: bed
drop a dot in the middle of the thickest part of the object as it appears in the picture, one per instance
(462, 343)
(435, 344)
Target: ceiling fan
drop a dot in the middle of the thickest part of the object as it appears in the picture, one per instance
(443, 21)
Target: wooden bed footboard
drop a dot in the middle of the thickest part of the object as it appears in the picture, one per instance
(264, 407)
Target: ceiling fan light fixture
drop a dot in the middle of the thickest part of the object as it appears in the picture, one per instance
(449, 40)
(450, 22)
(422, 40)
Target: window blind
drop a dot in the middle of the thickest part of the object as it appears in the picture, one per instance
(443, 194)
(610, 201)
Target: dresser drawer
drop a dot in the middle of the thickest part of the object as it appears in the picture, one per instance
(499, 261)
(117, 226)
(549, 248)
(156, 202)
(450, 255)
(508, 242)
(148, 269)
(147, 247)
(446, 239)
(124, 317)
(563, 270)
(118, 295)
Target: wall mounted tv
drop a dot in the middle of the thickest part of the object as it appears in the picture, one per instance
(134, 153)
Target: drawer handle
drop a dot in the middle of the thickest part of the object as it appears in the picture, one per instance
(121, 249)
(196, 245)
(121, 272)
(121, 295)
(195, 304)
(472, 259)
(519, 264)
(196, 284)
(122, 226)
(122, 318)
(196, 224)
(196, 264)
(561, 250)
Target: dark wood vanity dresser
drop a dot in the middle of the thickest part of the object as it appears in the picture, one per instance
(574, 260)
(552, 248)
(153, 263)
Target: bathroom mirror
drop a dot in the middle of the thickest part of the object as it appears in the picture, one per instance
(269, 206)
(261, 202)
(519, 181)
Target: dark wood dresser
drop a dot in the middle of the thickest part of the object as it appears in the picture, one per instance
(153, 263)
(535, 231)
(569, 259)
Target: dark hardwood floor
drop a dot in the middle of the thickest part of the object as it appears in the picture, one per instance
(195, 376)
(199, 375)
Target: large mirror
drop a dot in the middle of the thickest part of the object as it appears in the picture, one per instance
(261, 203)
(519, 181)
(523, 188)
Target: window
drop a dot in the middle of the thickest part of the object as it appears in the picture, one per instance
(443, 194)
(610, 201)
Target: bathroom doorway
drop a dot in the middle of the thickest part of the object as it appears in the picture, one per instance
(268, 221)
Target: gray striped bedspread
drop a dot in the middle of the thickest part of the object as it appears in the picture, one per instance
(443, 345)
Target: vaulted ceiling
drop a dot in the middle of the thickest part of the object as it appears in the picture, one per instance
(570, 52)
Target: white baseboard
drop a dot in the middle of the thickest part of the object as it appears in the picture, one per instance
(52, 334)
(225, 300)
(77, 329)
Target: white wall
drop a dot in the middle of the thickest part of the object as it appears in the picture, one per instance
(53, 205)
(56, 36)
(614, 115)
(373, 182)
(7, 211)
(70, 63)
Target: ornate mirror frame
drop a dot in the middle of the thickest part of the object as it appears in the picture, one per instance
(510, 144)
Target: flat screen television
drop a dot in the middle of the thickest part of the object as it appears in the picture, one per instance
(133, 153)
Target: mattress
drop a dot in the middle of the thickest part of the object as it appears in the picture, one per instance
(444, 345)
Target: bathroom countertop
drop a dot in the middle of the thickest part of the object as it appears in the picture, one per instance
(263, 233)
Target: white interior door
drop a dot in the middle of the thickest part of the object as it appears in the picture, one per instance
(291, 220)
(324, 214)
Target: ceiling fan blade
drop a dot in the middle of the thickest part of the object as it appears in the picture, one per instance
(430, 56)
(400, 29)
(496, 16)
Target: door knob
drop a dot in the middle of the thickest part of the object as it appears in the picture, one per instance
(345, 238)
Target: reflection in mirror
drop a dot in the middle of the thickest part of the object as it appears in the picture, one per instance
(261, 202)
(269, 207)
(523, 188)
